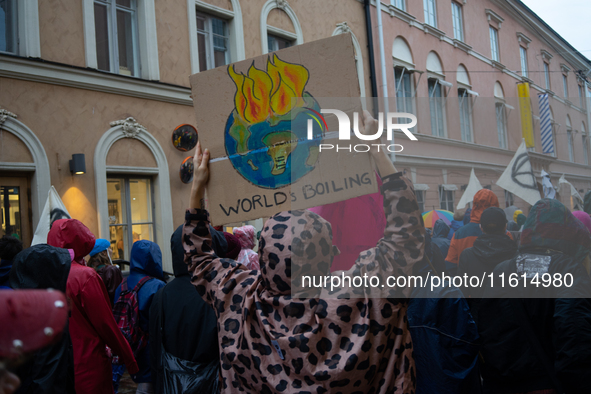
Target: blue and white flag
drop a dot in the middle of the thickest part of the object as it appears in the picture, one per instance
(546, 124)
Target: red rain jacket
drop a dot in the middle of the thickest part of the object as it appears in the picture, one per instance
(92, 325)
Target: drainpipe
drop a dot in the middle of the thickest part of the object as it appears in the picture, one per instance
(383, 70)
(372, 65)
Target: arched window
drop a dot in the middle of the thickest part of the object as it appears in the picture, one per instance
(404, 69)
(274, 38)
(133, 199)
(216, 34)
(465, 95)
(585, 138)
(569, 139)
(343, 28)
(501, 115)
(437, 94)
(24, 155)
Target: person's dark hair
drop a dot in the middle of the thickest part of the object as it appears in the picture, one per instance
(10, 247)
(99, 259)
(493, 221)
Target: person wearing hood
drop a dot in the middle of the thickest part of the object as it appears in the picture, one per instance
(183, 325)
(92, 325)
(9, 248)
(247, 257)
(492, 247)
(538, 337)
(51, 369)
(100, 260)
(456, 223)
(271, 342)
(439, 237)
(466, 236)
(145, 260)
(467, 216)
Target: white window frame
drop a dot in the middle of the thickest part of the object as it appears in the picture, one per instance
(571, 145)
(400, 4)
(147, 38)
(343, 28)
(440, 106)
(112, 8)
(523, 60)
(270, 5)
(430, 12)
(458, 21)
(27, 29)
(565, 85)
(494, 44)
(585, 138)
(235, 28)
(501, 118)
(402, 105)
(208, 32)
(547, 75)
(420, 199)
(465, 104)
(581, 96)
(444, 200)
(129, 128)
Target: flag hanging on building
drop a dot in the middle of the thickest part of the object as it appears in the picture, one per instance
(527, 123)
(546, 124)
(473, 187)
(54, 210)
(518, 178)
(549, 191)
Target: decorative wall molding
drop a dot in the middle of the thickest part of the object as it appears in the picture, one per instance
(163, 225)
(494, 18)
(130, 127)
(41, 177)
(4, 114)
(523, 39)
(64, 75)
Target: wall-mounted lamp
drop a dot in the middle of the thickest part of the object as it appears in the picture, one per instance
(78, 164)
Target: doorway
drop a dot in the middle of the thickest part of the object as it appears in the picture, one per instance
(15, 208)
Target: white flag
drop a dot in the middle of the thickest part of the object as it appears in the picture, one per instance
(473, 187)
(577, 199)
(54, 209)
(518, 178)
(549, 191)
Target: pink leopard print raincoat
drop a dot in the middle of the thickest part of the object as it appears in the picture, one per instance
(273, 343)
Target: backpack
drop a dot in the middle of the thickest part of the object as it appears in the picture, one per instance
(127, 315)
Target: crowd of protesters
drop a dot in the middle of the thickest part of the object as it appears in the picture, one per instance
(227, 322)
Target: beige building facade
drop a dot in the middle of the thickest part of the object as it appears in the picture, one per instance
(109, 79)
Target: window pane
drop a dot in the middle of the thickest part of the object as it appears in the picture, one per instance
(8, 21)
(119, 244)
(436, 108)
(465, 124)
(220, 41)
(523, 56)
(125, 42)
(124, 3)
(547, 75)
(202, 44)
(494, 44)
(501, 125)
(11, 213)
(140, 200)
(283, 43)
(142, 232)
(101, 26)
(117, 204)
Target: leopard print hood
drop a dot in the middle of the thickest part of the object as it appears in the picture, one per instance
(293, 244)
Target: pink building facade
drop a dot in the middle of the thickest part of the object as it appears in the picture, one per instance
(456, 66)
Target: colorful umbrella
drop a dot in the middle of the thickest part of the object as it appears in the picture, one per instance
(430, 217)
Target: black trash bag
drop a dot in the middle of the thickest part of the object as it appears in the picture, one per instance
(188, 377)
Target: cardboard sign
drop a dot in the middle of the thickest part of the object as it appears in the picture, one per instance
(254, 117)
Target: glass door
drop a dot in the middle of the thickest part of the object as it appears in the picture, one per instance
(14, 208)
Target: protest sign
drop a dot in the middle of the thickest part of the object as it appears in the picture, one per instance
(254, 117)
(518, 178)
